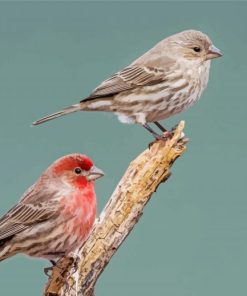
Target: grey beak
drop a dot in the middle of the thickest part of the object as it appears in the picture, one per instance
(213, 53)
(94, 173)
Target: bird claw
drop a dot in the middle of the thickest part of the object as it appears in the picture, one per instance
(164, 137)
(48, 271)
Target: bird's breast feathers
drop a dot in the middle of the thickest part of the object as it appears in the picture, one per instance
(178, 91)
(79, 212)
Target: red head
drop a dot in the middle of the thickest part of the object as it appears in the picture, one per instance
(75, 169)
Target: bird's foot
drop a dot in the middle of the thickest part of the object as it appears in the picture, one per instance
(161, 127)
(167, 135)
(48, 271)
(163, 137)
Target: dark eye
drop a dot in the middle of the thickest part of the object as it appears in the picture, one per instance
(197, 49)
(78, 171)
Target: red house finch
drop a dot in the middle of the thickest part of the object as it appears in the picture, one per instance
(164, 81)
(56, 214)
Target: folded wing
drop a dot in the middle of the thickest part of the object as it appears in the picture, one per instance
(25, 214)
(128, 78)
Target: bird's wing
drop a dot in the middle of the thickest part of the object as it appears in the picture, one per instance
(23, 215)
(129, 78)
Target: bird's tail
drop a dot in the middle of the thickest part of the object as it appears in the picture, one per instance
(5, 249)
(63, 112)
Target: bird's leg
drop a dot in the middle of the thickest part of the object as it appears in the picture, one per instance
(53, 262)
(166, 134)
(164, 137)
(49, 269)
(160, 126)
(148, 128)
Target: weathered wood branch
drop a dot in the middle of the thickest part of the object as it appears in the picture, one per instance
(119, 216)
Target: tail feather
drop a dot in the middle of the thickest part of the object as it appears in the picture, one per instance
(63, 112)
(5, 251)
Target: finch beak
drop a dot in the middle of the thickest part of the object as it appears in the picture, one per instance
(213, 53)
(94, 173)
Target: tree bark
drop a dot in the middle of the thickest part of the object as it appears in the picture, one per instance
(78, 276)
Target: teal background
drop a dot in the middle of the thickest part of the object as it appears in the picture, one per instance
(192, 239)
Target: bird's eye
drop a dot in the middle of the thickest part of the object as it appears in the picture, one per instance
(78, 171)
(197, 49)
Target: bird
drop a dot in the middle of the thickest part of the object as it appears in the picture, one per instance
(56, 214)
(164, 81)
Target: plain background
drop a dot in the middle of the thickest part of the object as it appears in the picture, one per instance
(192, 238)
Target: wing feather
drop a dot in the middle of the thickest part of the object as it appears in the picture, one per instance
(25, 214)
(129, 78)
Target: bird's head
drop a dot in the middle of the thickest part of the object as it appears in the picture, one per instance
(75, 170)
(193, 46)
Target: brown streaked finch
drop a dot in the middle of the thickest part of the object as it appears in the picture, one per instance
(56, 214)
(163, 82)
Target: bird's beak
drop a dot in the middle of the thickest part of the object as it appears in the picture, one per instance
(94, 173)
(213, 53)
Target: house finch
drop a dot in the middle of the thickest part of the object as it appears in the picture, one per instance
(56, 214)
(164, 81)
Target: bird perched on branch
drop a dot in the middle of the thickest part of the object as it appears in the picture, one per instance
(163, 82)
(56, 214)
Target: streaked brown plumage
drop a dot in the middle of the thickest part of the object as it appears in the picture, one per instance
(164, 81)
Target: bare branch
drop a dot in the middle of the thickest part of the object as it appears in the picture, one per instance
(119, 216)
